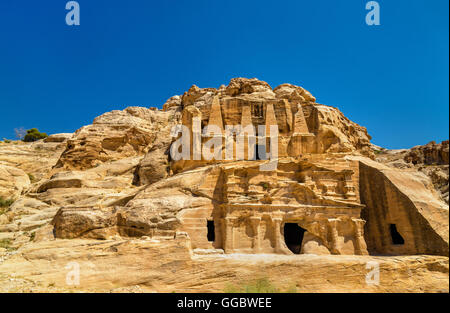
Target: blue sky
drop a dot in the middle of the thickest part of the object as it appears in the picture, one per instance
(392, 79)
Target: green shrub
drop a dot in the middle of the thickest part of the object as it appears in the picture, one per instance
(34, 135)
(5, 203)
(7, 244)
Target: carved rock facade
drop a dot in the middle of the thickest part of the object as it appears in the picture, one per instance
(310, 203)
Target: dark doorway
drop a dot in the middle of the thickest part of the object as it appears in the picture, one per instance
(397, 239)
(260, 152)
(293, 236)
(211, 231)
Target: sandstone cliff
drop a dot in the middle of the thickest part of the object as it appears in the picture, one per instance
(333, 203)
(430, 159)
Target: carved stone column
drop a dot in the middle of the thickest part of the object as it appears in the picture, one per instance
(256, 244)
(229, 236)
(277, 233)
(361, 247)
(218, 232)
(332, 224)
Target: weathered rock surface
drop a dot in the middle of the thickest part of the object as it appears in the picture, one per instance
(23, 166)
(429, 154)
(405, 199)
(112, 136)
(167, 266)
(35, 159)
(58, 137)
(106, 185)
(13, 181)
(431, 159)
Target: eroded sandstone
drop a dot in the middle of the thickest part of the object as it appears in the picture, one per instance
(111, 197)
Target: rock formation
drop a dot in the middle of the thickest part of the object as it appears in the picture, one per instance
(332, 197)
(431, 159)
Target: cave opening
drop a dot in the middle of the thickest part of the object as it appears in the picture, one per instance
(293, 237)
(211, 231)
(397, 239)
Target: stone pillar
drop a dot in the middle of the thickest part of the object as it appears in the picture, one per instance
(332, 225)
(196, 136)
(218, 233)
(192, 120)
(300, 125)
(246, 117)
(277, 233)
(215, 117)
(229, 236)
(256, 223)
(360, 243)
(248, 136)
(271, 118)
(301, 138)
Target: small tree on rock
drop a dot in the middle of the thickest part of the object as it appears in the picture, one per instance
(34, 135)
